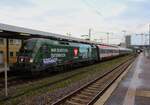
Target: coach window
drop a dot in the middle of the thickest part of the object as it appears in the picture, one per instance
(102, 51)
(11, 54)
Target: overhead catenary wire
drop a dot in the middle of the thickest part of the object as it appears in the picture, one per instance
(91, 6)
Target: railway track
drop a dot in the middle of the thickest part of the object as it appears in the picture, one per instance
(90, 92)
(17, 80)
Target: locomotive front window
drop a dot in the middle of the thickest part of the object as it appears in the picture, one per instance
(29, 45)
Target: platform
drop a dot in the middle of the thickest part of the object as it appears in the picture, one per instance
(133, 88)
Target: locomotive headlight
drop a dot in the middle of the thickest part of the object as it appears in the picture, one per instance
(31, 60)
(21, 59)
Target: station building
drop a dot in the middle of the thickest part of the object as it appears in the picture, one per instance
(14, 46)
(12, 37)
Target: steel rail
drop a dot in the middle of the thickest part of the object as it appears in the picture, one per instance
(65, 98)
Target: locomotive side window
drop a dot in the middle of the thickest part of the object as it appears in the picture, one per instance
(45, 48)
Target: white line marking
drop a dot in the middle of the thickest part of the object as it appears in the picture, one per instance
(107, 94)
(130, 95)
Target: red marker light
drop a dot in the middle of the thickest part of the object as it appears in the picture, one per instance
(75, 52)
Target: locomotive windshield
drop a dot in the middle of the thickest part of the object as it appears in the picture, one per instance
(29, 44)
(29, 47)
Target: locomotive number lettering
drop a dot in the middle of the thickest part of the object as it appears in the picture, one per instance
(59, 50)
(58, 55)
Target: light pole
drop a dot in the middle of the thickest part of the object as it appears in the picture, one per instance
(90, 33)
(6, 67)
(68, 34)
(124, 35)
(142, 38)
(107, 37)
(6, 91)
(149, 41)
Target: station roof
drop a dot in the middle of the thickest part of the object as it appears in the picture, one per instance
(9, 31)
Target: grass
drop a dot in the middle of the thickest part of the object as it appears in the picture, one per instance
(48, 85)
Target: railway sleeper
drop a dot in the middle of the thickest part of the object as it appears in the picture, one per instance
(68, 102)
(100, 81)
(90, 91)
(96, 85)
(100, 87)
(80, 100)
(93, 88)
(83, 96)
(87, 93)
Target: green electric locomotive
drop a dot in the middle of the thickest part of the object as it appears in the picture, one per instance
(39, 54)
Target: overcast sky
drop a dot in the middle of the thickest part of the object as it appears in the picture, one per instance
(77, 16)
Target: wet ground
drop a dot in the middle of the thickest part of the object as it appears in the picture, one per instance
(134, 89)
